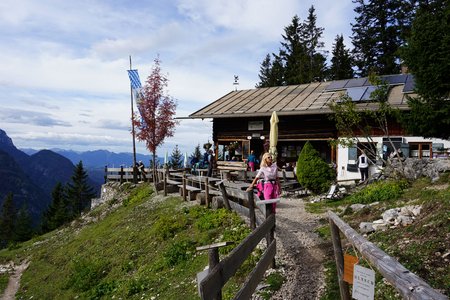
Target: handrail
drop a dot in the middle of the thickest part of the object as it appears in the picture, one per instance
(409, 285)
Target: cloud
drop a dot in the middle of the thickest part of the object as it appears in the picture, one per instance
(64, 81)
(32, 118)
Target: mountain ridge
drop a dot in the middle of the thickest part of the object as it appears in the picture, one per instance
(31, 179)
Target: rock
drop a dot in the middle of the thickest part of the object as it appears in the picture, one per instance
(381, 226)
(357, 207)
(217, 202)
(403, 220)
(366, 227)
(390, 215)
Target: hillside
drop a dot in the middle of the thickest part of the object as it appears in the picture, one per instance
(135, 246)
(14, 180)
(138, 245)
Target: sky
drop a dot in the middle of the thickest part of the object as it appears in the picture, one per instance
(63, 76)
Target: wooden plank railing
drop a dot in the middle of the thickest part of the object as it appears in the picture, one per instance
(409, 285)
(124, 174)
(212, 285)
(220, 272)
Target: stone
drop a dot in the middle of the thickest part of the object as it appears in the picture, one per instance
(366, 227)
(403, 220)
(380, 226)
(390, 215)
(357, 207)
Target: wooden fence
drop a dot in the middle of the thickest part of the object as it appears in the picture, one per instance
(409, 285)
(221, 271)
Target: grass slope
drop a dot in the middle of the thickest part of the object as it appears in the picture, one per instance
(144, 249)
(422, 247)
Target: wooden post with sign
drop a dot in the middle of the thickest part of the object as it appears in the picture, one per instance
(337, 246)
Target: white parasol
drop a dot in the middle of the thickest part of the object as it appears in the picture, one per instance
(273, 135)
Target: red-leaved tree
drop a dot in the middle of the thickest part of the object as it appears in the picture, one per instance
(157, 110)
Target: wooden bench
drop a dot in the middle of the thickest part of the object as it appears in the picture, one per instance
(289, 182)
(173, 182)
(232, 170)
(191, 191)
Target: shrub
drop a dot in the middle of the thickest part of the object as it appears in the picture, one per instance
(313, 173)
(379, 192)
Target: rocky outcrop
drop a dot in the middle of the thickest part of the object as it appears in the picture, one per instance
(394, 217)
(414, 168)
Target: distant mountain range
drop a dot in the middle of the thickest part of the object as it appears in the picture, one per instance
(31, 178)
(32, 174)
(96, 161)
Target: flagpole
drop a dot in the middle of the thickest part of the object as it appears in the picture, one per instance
(133, 133)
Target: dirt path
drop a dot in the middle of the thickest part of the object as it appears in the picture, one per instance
(14, 282)
(300, 251)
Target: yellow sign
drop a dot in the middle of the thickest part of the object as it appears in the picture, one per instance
(349, 263)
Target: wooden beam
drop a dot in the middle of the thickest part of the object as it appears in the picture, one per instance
(409, 285)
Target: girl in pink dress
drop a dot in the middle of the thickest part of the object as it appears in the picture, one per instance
(269, 173)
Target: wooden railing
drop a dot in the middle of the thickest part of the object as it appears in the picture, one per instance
(409, 285)
(124, 174)
(221, 271)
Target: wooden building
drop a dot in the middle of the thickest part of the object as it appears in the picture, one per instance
(241, 120)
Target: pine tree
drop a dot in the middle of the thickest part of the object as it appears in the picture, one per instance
(341, 63)
(299, 59)
(176, 158)
(294, 55)
(197, 154)
(23, 229)
(271, 73)
(7, 218)
(58, 211)
(378, 33)
(310, 37)
(312, 171)
(265, 73)
(427, 56)
(79, 193)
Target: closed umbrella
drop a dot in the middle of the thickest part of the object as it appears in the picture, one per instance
(185, 160)
(166, 159)
(273, 135)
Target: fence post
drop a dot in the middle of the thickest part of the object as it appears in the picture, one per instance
(251, 208)
(224, 195)
(184, 187)
(343, 286)
(165, 184)
(207, 191)
(213, 256)
(271, 235)
(121, 174)
(106, 174)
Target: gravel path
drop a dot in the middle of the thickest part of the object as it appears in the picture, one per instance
(300, 251)
(14, 281)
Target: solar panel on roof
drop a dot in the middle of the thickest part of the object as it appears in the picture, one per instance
(409, 87)
(368, 92)
(395, 79)
(356, 82)
(336, 85)
(356, 93)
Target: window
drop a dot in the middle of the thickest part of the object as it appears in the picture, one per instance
(420, 150)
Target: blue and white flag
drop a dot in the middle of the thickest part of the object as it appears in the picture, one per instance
(134, 79)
